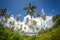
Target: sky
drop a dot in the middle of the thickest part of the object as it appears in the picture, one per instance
(15, 7)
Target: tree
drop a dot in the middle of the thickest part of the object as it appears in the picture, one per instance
(34, 23)
(6, 17)
(17, 19)
(38, 15)
(11, 25)
(27, 20)
(24, 28)
(44, 18)
(30, 10)
(3, 12)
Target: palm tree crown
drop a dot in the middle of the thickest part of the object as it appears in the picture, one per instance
(3, 12)
(38, 14)
(17, 19)
(30, 9)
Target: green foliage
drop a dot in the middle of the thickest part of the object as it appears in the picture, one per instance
(7, 34)
(30, 9)
(3, 12)
(49, 34)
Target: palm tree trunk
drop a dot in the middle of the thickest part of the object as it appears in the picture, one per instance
(40, 20)
(31, 19)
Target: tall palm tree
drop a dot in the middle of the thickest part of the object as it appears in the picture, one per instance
(38, 15)
(30, 9)
(44, 18)
(3, 12)
(34, 23)
(31, 26)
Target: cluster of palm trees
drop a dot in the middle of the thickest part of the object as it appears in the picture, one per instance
(4, 16)
(30, 10)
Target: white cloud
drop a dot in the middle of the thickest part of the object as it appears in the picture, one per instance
(45, 24)
(39, 25)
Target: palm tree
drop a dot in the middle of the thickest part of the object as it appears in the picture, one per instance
(6, 17)
(30, 10)
(3, 12)
(17, 19)
(31, 27)
(11, 25)
(24, 28)
(38, 15)
(27, 20)
(34, 23)
(44, 18)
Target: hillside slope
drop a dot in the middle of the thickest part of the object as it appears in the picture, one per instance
(50, 34)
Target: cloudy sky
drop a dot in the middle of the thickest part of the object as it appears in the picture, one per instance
(40, 23)
(15, 7)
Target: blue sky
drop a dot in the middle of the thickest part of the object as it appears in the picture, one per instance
(14, 7)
